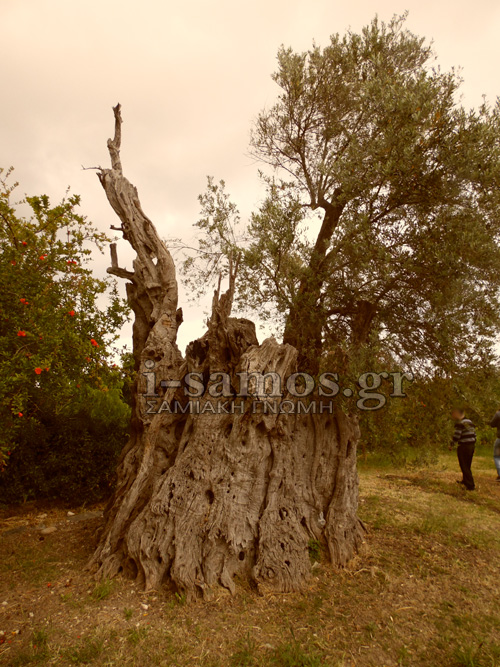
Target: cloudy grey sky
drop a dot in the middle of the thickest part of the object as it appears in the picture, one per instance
(191, 77)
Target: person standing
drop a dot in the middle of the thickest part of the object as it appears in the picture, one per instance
(495, 423)
(465, 437)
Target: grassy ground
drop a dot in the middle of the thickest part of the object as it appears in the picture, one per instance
(424, 591)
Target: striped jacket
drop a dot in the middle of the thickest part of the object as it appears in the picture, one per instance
(495, 423)
(465, 432)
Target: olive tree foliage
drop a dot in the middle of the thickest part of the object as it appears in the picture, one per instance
(218, 243)
(267, 255)
(380, 226)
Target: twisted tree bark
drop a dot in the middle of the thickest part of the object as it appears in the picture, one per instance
(203, 498)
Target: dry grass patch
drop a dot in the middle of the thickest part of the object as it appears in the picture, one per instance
(424, 591)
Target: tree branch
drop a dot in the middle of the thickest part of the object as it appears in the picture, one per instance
(153, 293)
(115, 143)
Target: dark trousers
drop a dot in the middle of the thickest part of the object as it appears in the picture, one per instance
(465, 454)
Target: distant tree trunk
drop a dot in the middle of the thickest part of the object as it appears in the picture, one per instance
(202, 499)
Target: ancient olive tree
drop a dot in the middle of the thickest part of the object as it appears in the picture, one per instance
(402, 258)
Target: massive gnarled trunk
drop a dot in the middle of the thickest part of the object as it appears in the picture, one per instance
(203, 498)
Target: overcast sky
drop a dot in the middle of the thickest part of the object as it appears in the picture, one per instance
(191, 77)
